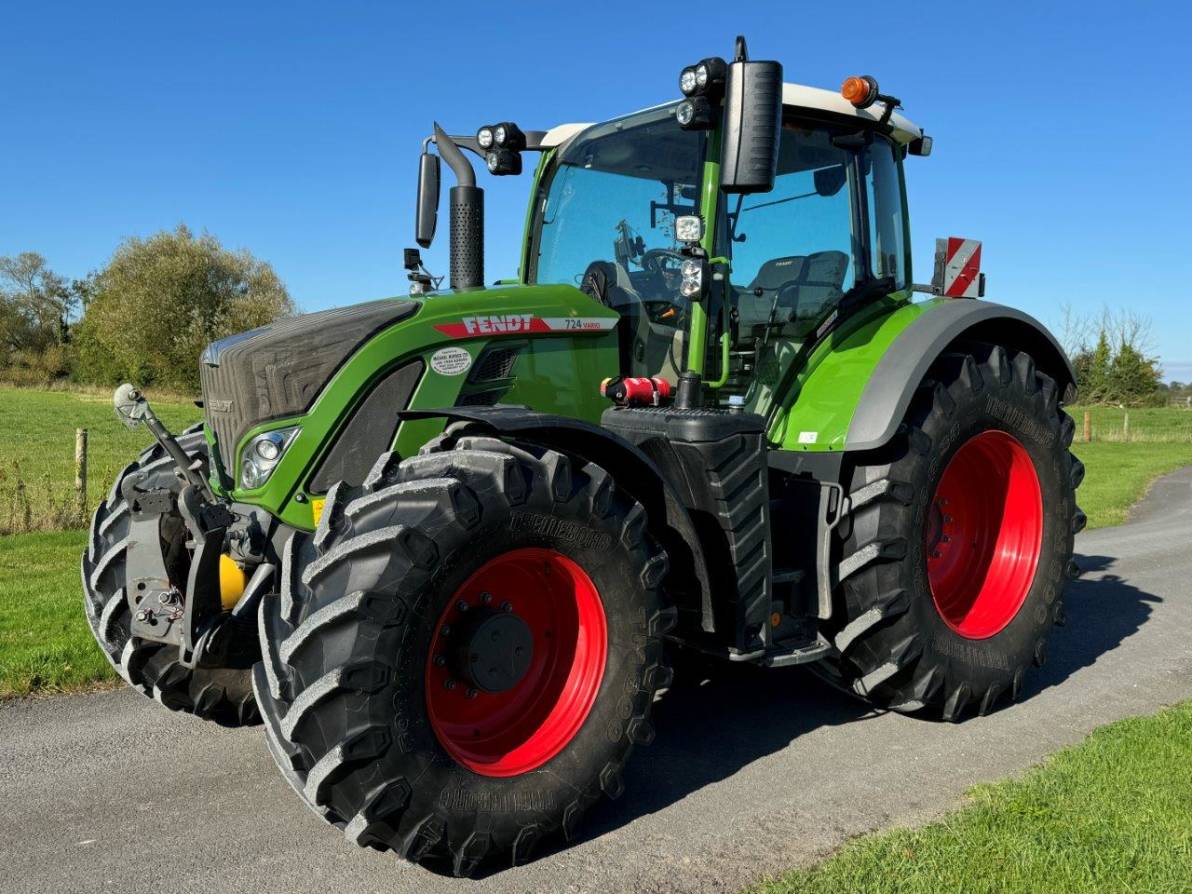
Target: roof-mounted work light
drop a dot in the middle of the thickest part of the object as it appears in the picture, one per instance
(705, 78)
(508, 135)
(502, 162)
(484, 137)
(695, 113)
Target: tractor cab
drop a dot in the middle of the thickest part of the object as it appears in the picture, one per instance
(612, 201)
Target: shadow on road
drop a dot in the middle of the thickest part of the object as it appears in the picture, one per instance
(1101, 613)
(708, 733)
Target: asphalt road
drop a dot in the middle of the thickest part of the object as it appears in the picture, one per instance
(748, 776)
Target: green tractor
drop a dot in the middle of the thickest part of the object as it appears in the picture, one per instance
(448, 547)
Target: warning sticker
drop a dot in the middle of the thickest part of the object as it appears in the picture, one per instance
(808, 437)
(316, 508)
(450, 361)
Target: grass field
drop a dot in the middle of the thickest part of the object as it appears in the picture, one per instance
(1112, 814)
(37, 444)
(45, 645)
(1147, 424)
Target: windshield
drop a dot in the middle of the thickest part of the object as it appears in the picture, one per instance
(606, 224)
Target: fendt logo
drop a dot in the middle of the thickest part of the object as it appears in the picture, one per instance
(497, 323)
(506, 324)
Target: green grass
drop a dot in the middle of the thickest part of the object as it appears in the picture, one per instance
(1111, 814)
(45, 645)
(37, 444)
(1117, 475)
(1147, 424)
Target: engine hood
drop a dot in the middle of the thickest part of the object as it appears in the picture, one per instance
(278, 370)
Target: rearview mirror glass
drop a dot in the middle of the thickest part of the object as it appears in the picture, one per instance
(829, 181)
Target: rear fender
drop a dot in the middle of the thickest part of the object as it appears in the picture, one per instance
(903, 367)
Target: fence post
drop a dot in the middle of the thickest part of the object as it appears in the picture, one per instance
(1126, 426)
(1088, 426)
(81, 472)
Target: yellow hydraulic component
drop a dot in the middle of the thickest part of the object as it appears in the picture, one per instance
(231, 582)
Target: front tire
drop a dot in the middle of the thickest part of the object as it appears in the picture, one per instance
(374, 712)
(958, 541)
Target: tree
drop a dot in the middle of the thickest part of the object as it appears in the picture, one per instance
(1133, 378)
(160, 300)
(34, 304)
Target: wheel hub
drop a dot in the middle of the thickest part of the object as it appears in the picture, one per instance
(515, 662)
(495, 652)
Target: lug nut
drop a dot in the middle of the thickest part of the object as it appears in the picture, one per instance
(472, 693)
(445, 630)
(461, 606)
(506, 606)
(486, 598)
(448, 683)
(440, 660)
(141, 616)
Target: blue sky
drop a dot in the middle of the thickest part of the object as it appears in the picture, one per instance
(1062, 130)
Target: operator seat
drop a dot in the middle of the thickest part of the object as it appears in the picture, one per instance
(755, 301)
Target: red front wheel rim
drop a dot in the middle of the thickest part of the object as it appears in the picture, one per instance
(984, 534)
(515, 662)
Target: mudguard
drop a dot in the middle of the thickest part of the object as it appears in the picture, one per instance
(888, 393)
(859, 382)
(632, 470)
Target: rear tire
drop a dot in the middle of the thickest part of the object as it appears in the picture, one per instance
(223, 695)
(354, 673)
(934, 612)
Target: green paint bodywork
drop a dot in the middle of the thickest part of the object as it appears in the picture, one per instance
(557, 372)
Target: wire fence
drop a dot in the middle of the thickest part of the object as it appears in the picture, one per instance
(1144, 425)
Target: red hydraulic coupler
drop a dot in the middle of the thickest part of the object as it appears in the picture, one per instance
(628, 390)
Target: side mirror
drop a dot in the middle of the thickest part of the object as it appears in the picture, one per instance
(427, 211)
(752, 126)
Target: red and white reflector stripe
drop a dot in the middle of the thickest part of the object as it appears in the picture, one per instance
(960, 260)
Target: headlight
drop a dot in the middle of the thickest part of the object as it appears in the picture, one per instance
(262, 454)
(484, 137)
(691, 272)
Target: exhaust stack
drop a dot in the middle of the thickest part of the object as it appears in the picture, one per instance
(466, 211)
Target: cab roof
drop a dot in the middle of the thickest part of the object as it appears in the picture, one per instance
(795, 96)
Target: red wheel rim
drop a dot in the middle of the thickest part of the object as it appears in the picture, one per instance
(510, 732)
(984, 533)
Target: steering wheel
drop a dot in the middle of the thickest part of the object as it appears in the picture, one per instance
(654, 260)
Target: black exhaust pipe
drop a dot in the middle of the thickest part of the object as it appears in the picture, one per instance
(466, 209)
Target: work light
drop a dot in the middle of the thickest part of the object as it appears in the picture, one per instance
(691, 273)
(503, 161)
(696, 113)
(484, 137)
(689, 228)
(508, 135)
(709, 75)
(688, 81)
(262, 454)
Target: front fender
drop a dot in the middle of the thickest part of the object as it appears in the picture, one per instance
(632, 470)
